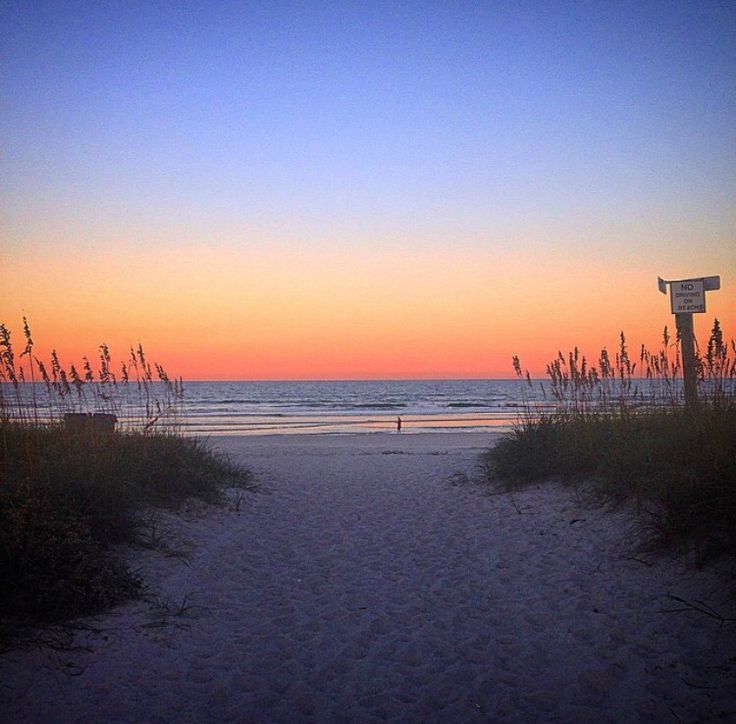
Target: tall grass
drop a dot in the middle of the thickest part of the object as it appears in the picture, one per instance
(622, 427)
(70, 494)
(141, 394)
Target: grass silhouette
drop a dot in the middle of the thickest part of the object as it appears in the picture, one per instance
(70, 493)
(636, 441)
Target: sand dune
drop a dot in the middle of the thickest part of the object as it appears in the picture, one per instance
(374, 580)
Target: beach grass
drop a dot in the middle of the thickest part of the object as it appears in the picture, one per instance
(70, 495)
(675, 465)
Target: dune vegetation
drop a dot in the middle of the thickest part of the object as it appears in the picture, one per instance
(84, 457)
(621, 429)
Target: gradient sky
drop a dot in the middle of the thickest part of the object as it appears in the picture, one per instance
(354, 190)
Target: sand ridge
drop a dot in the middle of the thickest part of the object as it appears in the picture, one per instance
(372, 580)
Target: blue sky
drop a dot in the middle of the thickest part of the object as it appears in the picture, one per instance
(410, 113)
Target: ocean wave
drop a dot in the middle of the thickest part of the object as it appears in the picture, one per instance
(376, 406)
(234, 401)
(470, 404)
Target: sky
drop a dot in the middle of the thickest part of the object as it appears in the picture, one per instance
(338, 190)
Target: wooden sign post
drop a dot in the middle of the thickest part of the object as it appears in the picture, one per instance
(687, 297)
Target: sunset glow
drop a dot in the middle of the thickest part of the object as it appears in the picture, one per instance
(347, 193)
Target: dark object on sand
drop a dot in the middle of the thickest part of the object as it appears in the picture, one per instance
(81, 422)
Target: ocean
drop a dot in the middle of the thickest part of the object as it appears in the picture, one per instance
(314, 407)
(322, 407)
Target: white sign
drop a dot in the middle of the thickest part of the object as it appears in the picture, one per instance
(687, 296)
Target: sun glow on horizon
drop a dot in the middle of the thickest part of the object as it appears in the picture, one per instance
(286, 312)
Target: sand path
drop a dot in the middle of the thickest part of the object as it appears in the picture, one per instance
(371, 581)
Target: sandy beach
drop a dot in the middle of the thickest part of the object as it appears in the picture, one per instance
(373, 578)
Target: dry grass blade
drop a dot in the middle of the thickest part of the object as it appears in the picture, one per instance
(696, 607)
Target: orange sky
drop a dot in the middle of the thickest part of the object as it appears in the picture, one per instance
(337, 191)
(289, 312)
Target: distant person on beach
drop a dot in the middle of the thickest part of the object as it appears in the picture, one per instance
(398, 424)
